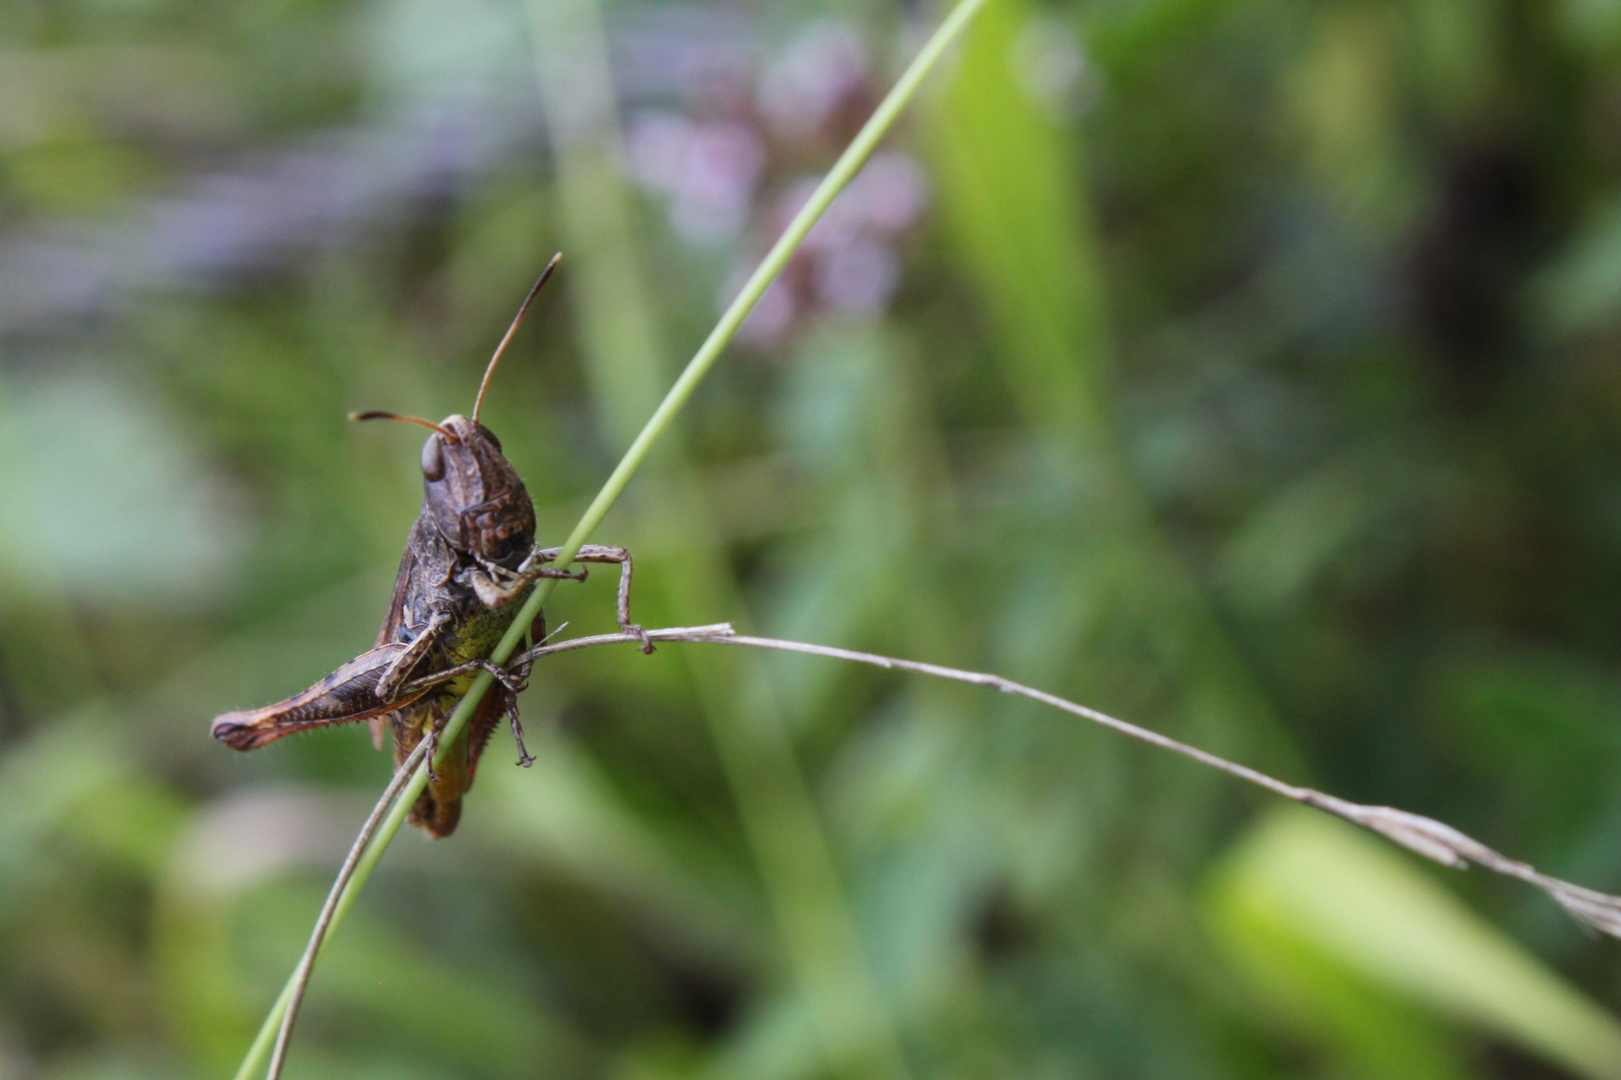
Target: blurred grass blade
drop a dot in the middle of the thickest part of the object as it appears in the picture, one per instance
(618, 326)
(1013, 193)
(1014, 200)
(1326, 920)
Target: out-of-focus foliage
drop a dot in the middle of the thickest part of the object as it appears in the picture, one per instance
(1247, 368)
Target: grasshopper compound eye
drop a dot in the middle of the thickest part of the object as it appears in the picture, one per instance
(433, 459)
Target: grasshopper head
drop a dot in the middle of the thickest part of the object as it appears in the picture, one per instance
(474, 495)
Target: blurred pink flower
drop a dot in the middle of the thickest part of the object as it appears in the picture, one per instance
(739, 164)
(803, 91)
(707, 170)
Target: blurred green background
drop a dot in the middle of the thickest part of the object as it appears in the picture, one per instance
(1247, 368)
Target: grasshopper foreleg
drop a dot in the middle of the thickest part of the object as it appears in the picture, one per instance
(495, 587)
(601, 553)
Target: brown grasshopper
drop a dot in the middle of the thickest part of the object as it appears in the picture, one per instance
(469, 561)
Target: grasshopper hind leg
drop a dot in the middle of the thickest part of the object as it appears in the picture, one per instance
(345, 696)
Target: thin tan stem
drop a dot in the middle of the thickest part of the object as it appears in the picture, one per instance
(1425, 836)
(306, 963)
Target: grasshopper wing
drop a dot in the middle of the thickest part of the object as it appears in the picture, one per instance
(393, 623)
(427, 560)
(346, 695)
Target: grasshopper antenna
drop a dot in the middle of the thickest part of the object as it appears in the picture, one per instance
(478, 402)
(378, 414)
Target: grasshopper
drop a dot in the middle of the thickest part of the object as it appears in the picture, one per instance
(469, 561)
